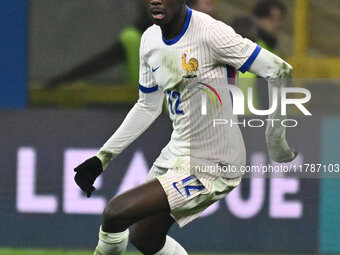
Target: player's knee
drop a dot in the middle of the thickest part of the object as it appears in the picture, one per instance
(114, 219)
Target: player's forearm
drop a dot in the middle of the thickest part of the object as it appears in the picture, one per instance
(140, 117)
(278, 74)
(271, 67)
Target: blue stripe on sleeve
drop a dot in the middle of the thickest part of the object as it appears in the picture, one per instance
(148, 90)
(250, 60)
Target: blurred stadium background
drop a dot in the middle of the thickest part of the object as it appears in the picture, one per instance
(46, 130)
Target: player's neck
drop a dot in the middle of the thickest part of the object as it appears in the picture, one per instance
(174, 27)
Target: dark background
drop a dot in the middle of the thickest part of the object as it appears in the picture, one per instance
(51, 132)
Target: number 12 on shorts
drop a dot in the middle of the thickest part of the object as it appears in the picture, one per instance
(189, 187)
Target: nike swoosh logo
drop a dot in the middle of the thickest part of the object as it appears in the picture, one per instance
(154, 70)
(175, 186)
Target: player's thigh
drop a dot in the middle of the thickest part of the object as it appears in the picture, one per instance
(149, 235)
(135, 204)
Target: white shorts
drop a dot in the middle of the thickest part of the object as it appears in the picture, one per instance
(189, 195)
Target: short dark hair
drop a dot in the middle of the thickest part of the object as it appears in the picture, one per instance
(263, 8)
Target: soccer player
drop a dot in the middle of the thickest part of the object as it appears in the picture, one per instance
(184, 55)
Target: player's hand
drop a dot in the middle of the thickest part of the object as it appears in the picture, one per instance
(279, 150)
(289, 159)
(87, 173)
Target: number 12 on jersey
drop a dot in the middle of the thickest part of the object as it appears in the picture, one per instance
(174, 99)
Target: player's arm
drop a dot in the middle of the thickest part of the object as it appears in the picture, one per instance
(230, 48)
(278, 74)
(140, 117)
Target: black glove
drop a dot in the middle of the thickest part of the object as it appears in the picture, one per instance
(288, 160)
(87, 173)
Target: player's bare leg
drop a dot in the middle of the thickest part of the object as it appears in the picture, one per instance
(134, 205)
(149, 236)
(126, 209)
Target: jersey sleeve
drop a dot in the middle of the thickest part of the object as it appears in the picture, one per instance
(140, 117)
(278, 74)
(230, 48)
(146, 80)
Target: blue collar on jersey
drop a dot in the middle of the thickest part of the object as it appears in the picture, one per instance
(185, 28)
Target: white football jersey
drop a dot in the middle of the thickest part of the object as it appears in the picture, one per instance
(194, 71)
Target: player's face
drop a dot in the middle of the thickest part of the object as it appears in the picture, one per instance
(275, 21)
(162, 12)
